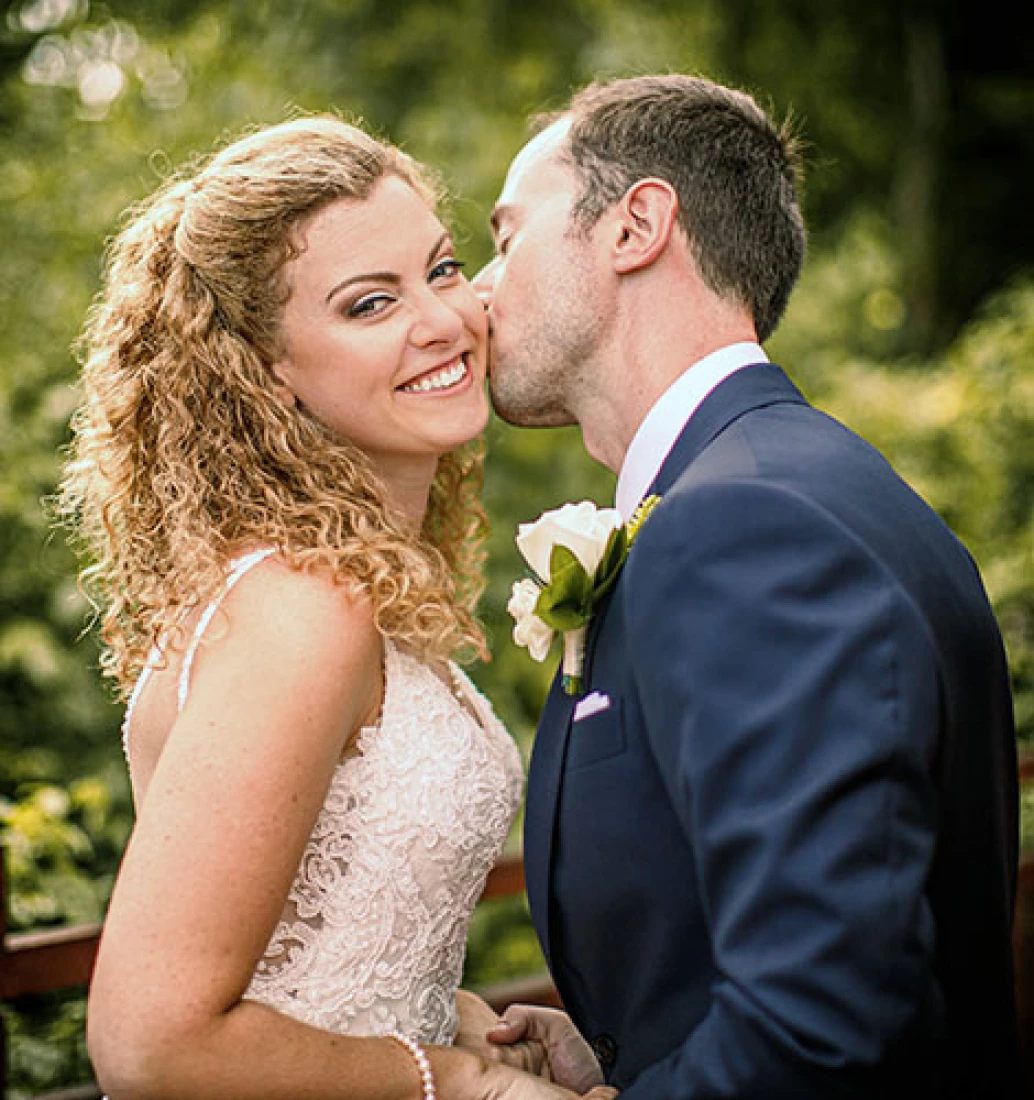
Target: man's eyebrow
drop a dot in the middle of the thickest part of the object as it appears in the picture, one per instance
(386, 276)
(498, 216)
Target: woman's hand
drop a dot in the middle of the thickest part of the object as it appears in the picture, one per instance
(464, 1075)
(477, 1018)
(503, 1083)
(570, 1059)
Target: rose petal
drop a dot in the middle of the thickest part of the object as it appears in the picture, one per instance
(523, 597)
(529, 630)
(533, 633)
(583, 528)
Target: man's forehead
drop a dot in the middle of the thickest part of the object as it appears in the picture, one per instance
(530, 162)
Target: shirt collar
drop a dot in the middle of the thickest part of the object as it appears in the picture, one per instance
(663, 424)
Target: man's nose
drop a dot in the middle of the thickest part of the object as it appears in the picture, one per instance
(484, 282)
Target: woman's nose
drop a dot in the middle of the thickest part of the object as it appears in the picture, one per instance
(437, 321)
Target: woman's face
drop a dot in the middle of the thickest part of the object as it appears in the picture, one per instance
(385, 341)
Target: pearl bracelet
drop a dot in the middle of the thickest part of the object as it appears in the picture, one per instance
(423, 1064)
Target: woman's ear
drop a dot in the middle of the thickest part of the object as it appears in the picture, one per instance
(282, 388)
(647, 216)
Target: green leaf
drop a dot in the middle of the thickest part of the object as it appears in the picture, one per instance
(568, 581)
(561, 618)
(610, 564)
(564, 603)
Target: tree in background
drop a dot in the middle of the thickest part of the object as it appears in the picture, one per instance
(913, 322)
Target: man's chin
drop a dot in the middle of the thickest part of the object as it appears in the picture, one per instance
(532, 418)
(525, 407)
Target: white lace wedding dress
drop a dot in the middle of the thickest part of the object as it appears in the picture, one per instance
(373, 936)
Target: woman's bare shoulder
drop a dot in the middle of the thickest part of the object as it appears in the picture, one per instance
(285, 604)
(291, 640)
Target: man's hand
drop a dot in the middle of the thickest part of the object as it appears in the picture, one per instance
(571, 1060)
(477, 1018)
(503, 1083)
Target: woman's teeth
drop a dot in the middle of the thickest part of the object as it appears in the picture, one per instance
(441, 380)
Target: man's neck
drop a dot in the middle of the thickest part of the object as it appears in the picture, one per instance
(667, 419)
(633, 377)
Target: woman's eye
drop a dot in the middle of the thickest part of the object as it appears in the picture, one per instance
(447, 269)
(369, 305)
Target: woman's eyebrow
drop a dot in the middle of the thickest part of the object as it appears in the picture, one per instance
(385, 276)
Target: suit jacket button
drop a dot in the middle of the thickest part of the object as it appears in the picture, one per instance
(606, 1051)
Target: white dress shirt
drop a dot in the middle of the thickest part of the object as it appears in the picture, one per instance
(663, 424)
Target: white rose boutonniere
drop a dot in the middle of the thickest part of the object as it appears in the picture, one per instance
(529, 630)
(575, 554)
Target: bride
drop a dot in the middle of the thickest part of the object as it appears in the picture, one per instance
(274, 473)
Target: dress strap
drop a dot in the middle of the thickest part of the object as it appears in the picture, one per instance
(239, 567)
(138, 687)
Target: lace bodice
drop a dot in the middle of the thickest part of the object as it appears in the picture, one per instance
(373, 935)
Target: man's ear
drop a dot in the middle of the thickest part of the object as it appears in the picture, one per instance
(280, 373)
(646, 219)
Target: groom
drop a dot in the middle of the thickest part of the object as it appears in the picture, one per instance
(771, 851)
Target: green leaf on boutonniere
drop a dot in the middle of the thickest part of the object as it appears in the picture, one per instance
(609, 569)
(562, 602)
(572, 597)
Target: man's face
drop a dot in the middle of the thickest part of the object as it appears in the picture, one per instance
(541, 290)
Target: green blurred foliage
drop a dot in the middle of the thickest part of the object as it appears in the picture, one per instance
(53, 838)
(913, 322)
(61, 844)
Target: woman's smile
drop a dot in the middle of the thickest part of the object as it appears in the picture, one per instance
(449, 378)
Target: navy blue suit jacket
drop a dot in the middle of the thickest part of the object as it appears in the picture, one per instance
(781, 862)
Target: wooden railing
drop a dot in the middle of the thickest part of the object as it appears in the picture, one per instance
(48, 962)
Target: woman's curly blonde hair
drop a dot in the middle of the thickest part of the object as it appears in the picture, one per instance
(182, 457)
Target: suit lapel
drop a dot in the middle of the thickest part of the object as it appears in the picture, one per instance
(749, 388)
(544, 774)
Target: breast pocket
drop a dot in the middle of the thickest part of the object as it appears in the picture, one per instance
(596, 738)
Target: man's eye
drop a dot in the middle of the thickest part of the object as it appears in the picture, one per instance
(369, 305)
(502, 245)
(447, 269)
